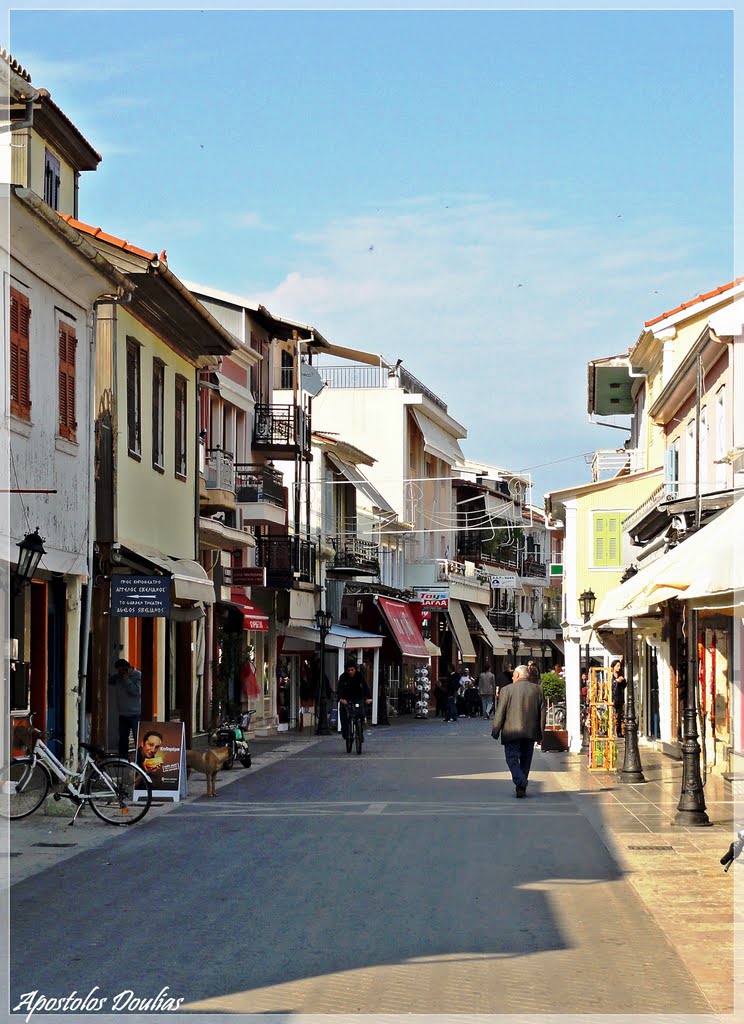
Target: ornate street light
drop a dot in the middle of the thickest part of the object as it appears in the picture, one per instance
(632, 769)
(324, 622)
(587, 603)
(691, 806)
(31, 552)
(516, 642)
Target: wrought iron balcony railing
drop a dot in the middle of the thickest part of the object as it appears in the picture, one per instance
(361, 557)
(219, 468)
(503, 621)
(280, 427)
(256, 482)
(287, 559)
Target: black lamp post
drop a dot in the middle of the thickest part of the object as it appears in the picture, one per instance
(31, 552)
(324, 622)
(516, 641)
(691, 806)
(543, 649)
(587, 603)
(632, 769)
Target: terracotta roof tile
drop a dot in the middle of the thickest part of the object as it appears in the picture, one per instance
(14, 65)
(694, 302)
(120, 243)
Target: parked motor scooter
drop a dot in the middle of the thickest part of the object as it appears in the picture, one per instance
(733, 851)
(233, 735)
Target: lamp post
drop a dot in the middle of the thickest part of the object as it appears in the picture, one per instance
(632, 770)
(543, 649)
(324, 621)
(691, 806)
(516, 641)
(31, 550)
(587, 603)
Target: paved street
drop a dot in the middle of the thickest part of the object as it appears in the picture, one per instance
(405, 880)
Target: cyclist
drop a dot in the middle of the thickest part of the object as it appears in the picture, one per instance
(351, 686)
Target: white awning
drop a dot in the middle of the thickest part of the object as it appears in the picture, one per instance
(460, 629)
(432, 648)
(437, 441)
(359, 480)
(189, 580)
(493, 638)
(302, 638)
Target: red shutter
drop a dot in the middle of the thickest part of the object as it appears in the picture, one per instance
(20, 331)
(179, 426)
(67, 353)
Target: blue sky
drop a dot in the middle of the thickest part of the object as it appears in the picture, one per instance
(495, 196)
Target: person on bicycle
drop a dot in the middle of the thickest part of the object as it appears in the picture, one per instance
(351, 686)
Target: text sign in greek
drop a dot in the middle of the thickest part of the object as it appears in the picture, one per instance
(503, 582)
(140, 596)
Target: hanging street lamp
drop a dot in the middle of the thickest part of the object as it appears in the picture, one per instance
(587, 603)
(324, 622)
(31, 552)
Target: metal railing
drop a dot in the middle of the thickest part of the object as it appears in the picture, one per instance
(280, 426)
(376, 377)
(532, 568)
(219, 468)
(256, 482)
(502, 621)
(287, 559)
(610, 462)
(363, 556)
(645, 507)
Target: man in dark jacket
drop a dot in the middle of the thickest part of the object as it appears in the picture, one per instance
(351, 686)
(520, 719)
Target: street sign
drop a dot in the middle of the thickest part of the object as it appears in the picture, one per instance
(433, 598)
(140, 597)
(249, 576)
(556, 569)
(503, 583)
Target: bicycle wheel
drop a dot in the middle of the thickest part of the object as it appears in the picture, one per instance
(359, 737)
(23, 785)
(349, 735)
(111, 791)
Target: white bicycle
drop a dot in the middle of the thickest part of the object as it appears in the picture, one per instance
(119, 791)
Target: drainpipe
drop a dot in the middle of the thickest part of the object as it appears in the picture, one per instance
(120, 296)
(30, 95)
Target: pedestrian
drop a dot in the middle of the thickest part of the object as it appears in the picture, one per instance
(352, 686)
(128, 682)
(520, 720)
(453, 688)
(534, 672)
(487, 690)
(619, 686)
(440, 697)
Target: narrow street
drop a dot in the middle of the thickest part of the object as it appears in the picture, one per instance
(407, 880)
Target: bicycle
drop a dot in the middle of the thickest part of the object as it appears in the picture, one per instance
(119, 791)
(355, 726)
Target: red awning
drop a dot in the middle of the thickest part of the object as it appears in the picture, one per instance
(253, 618)
(404, 628)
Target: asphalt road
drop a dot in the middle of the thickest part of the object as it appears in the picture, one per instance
(407, 880)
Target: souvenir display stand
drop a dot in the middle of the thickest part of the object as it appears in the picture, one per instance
(602, 743)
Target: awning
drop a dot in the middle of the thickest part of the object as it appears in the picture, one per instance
(493, 638)
(189, 580)
(434, 651)
(437, 441)
(357, 478)
(626, 600)
(253, 618)
(460, 629)
(304, 638)
(403, 626)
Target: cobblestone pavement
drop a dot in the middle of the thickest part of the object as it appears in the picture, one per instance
(409, 881)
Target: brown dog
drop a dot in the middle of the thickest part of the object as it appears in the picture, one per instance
(207, 762)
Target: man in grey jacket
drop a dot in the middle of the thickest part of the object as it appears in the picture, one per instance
(128, 683)
(520, 719)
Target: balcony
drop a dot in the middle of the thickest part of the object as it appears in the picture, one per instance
(288, 560)
(354, 557)
(531, 568)
(376, 377)
(281, 430)
(608, 463)
(219, 480)
(503, 621)
(260, 494)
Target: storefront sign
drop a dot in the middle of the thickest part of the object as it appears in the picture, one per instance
(503, 582)
(140, 597)
(249, 576)
(161, 753)
(556, 569)
(433, 598)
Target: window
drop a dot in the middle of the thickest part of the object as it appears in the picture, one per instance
(51, 180)
(67, 356)
(181, 446)
(287, 374)
(428, 468)
(705, 475)
(720, 449)
(608, 535)
(671, 470)
(690, 476)
(20, 332)
(158, 412)
(134, 403)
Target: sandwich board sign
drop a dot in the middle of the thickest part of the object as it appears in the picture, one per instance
(161, 754)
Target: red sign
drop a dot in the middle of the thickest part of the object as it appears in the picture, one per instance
(249, 576)
(253, 618)
(404, 628)
(434, 598)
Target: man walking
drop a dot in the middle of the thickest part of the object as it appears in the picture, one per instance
(487, 690)
(453, 688)
(520, 720)
(128, 683)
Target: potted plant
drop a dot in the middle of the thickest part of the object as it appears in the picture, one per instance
(555, 737)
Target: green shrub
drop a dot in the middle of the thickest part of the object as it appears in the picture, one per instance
(554, 687)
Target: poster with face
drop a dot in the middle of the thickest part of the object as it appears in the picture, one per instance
(161, 754)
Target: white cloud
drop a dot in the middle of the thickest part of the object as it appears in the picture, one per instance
(496, 308)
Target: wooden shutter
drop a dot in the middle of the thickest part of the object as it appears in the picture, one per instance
(133, 398)
(67, 360)
(614, 538)
(20, 332)
(600, 539)
(180, 426)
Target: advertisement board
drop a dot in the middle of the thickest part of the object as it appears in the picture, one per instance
(161, 753)
(433, 598)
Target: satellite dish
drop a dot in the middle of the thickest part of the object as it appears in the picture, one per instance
(310, 380)
(525, 620)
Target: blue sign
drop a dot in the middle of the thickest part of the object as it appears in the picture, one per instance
(140, 596)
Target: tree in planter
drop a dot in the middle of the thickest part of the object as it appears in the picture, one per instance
(554, 687)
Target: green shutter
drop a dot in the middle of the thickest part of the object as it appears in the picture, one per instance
(600, 547)
(608, 538)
